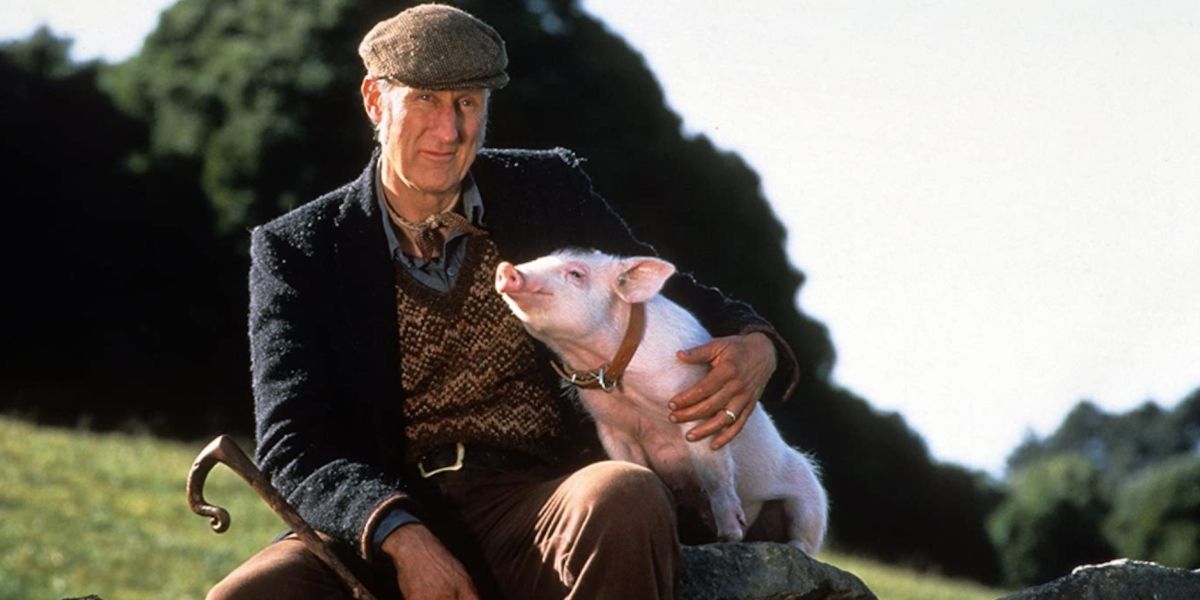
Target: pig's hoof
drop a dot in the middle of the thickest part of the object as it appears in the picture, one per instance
(733, 527)
(730, 536)
(731, 533)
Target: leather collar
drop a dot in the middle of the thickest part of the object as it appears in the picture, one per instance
(608, 376)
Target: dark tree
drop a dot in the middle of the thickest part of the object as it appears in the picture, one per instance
(1119, 445)
(120, 302)
(1052, 521)
(1156, 515)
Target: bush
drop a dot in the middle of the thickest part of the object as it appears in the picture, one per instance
(1157, 515)
(1051, 520)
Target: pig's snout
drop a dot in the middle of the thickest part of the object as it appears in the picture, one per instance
(508, 278)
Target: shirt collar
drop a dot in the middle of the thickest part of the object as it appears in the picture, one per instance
(472, 206)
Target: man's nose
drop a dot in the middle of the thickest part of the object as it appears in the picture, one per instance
(448, 124)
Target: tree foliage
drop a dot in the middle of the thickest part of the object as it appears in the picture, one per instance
(1051, 520)
(247, 91)
(1156, 516)
(120, 300)
(1118, 445)
(1132, 479)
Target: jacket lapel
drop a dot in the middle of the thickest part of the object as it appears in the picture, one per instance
(366, 290)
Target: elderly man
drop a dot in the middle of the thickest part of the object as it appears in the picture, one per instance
(401, 407)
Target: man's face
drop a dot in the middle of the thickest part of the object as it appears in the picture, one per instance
(430, 137)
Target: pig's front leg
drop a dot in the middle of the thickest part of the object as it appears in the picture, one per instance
(715, 470)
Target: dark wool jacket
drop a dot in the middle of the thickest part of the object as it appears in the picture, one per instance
(324, 342)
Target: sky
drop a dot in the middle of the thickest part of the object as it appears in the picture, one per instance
(996, 203)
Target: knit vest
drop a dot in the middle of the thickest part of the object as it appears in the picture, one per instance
(469, 371)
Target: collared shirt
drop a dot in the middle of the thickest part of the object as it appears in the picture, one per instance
(438, 273)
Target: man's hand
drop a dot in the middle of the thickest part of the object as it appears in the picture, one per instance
(741, 367)
(425, 570)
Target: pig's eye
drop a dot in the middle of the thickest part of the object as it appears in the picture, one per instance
(575, 274)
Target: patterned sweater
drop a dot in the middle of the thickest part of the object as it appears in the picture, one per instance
(468, 369)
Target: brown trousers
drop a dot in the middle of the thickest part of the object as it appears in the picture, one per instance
(607, 530)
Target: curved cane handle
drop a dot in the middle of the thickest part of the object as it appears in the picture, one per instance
(225, 450)
(215, 452)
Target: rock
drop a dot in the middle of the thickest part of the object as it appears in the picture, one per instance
(763, 571)
(1122, 579)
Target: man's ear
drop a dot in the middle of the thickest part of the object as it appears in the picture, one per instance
(371, 100)
(641, 277)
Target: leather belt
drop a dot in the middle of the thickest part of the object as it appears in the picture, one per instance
(450, 458)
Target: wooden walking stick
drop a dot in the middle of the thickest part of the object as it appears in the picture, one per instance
(225, 450)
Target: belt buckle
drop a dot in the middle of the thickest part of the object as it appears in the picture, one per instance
(459, 450)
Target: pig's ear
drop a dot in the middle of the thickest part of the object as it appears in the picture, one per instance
(641, 277)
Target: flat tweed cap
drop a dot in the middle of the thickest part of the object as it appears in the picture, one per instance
(436, 47)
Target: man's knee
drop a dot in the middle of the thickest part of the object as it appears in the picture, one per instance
(227, 589)
(625, 523)
(233, 587)
(625, 492)
(285, 569)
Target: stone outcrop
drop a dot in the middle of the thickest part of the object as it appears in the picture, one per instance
(763, 571)
(1118, 580)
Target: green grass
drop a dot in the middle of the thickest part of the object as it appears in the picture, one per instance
(84, 513)
(890, 582)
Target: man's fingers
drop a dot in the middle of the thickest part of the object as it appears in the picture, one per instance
(722, 424)
(424, 567)
(726, 435)
(708, 403)
(685, 405)
(719, 377)
(708, 427)
(740, 369)
(733, 383)
(702, 354)
(717, 419)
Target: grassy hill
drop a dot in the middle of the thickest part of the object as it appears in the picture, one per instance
(84, 513)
